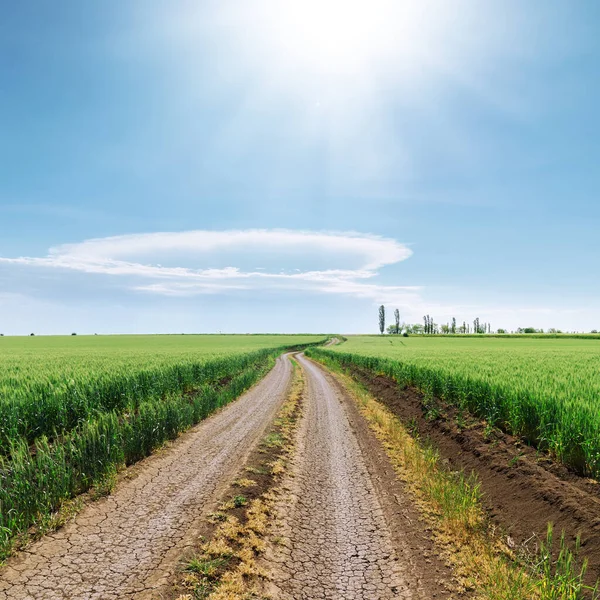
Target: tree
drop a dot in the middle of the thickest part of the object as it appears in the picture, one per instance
(397, 319)
(382, 319)
(453, 327)
(428, 325)
(527, 330)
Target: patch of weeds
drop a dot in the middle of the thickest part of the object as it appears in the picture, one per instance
(218, 548)
(239, 501)
(235, 502)
(488, 431)
(204, 567)
(7, 543)
(244, 483)
(561, 577)
(432, 412)
(203, 590)
(258, 470)
(216, 517)
(202, 587)
(104, 486)
(278, 466)
(412, 426)
(274, 440)
(515, 459)
(431, 408)
(460, 420)
(67, 511)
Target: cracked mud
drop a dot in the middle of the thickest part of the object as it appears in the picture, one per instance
(128, 544)
(336, 542)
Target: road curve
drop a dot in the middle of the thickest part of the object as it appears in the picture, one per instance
(128, 544)
(336, 540)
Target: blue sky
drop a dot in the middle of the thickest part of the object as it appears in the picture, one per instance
(288, 166)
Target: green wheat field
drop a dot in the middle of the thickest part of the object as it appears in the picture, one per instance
(546, 390)
(74, 409)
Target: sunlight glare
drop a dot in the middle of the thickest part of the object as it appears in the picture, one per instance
(346, 36)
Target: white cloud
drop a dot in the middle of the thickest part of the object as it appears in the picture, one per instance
(139, 260)
(374, 251)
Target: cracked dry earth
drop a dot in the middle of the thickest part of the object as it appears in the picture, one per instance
(335, 541)
(128, 545)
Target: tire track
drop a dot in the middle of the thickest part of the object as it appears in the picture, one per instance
(337, 540)
(128, 545)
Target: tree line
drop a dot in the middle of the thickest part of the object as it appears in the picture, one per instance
(430, 327)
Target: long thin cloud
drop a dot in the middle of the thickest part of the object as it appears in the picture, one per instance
(138, 257)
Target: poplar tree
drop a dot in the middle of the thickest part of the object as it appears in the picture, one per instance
(397, 318)
(382, 319)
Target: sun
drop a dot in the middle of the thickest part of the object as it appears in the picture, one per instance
(345, 37)
(334, 34)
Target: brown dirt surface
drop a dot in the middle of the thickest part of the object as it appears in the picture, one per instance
(344, 526)
(129, 544)
(523, 491)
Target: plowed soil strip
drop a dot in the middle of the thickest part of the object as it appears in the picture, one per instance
(335, 528)
(523, 491)
(128, 545)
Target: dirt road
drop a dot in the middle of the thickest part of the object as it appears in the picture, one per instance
(128, 544)
(336, 539)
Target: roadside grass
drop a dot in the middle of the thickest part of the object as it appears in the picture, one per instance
(226, 565)
(65, 512)
(450, 504)
(561, 577)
